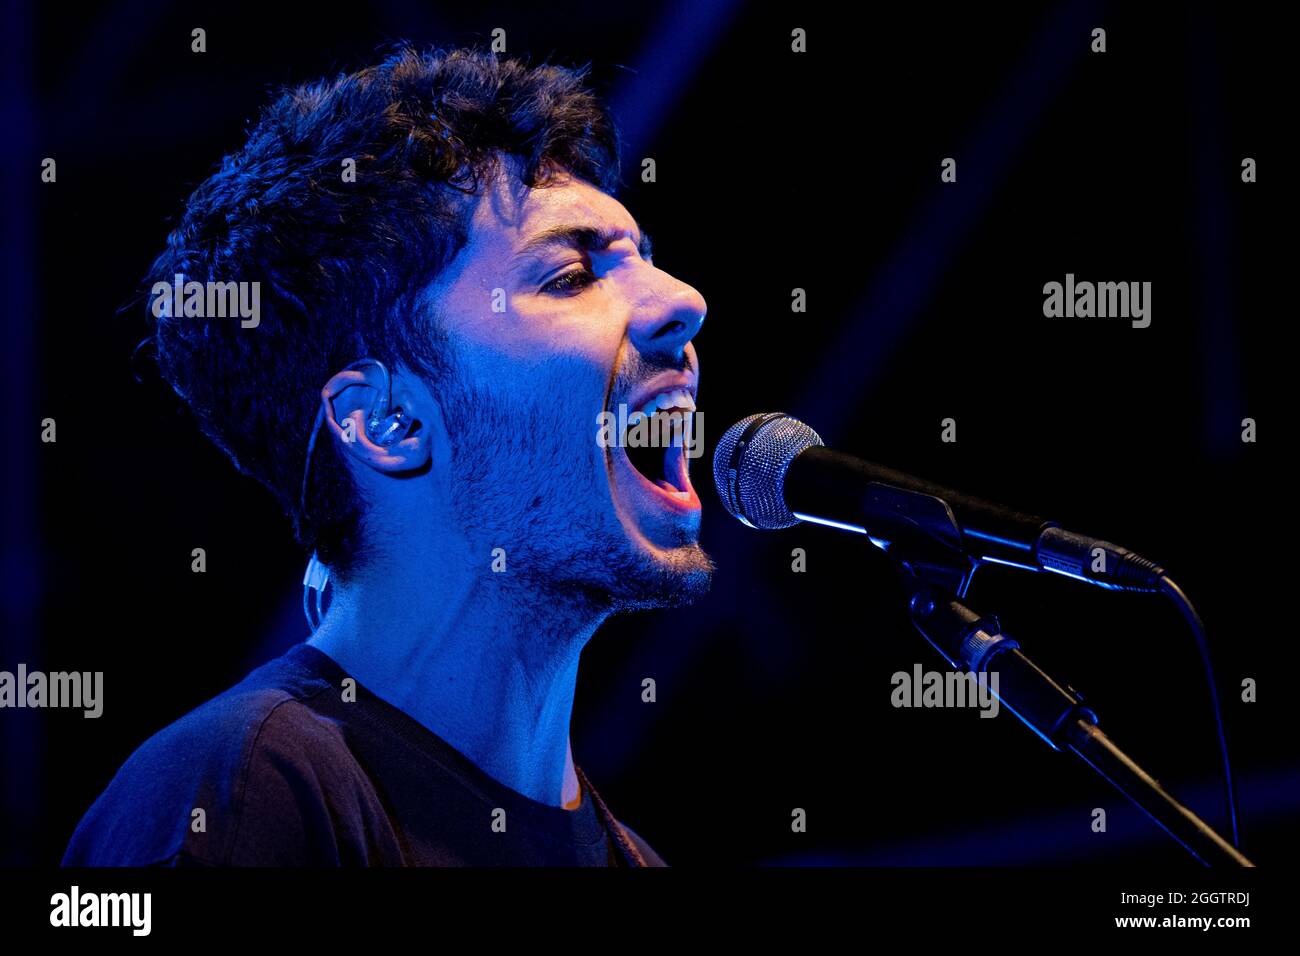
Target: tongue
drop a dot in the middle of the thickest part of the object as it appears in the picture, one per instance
(672, 469)
(660, 466)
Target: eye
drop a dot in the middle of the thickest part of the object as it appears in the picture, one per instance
(570, 283)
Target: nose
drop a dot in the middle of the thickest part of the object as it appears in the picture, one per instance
(667, 317)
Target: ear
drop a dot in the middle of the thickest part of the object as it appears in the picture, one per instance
(348, 401)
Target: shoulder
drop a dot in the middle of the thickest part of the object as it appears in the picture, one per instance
(240, 779)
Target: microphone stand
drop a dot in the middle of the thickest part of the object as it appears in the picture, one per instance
(1053, 711)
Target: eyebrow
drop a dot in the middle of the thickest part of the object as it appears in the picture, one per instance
(584, 238)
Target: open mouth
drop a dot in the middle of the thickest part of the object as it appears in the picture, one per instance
(658, 436)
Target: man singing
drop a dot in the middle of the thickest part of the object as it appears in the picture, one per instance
(449, 300)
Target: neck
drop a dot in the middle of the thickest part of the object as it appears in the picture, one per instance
(487, 666)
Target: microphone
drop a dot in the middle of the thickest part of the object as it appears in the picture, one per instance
(773, 471)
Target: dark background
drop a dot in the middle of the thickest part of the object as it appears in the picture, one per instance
(775, 170)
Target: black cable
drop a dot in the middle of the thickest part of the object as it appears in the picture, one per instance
(1175, 594)
(306, 607)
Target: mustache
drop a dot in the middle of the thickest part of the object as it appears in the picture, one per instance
(636, 370)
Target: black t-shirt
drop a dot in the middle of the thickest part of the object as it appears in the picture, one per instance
(281, 770)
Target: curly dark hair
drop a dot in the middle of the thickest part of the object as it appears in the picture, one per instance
(343, 265)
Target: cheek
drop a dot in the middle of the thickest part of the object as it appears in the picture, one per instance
(524, 343)
(551, 360)
(568, 366)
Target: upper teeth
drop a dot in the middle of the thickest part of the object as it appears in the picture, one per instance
(674, 398)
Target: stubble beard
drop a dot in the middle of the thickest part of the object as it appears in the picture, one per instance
(560, 536)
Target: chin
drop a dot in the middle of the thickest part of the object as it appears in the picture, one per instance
(666, 578)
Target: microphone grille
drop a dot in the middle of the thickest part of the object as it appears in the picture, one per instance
(750, 463)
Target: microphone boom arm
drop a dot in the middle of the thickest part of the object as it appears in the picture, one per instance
(1056, 713)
